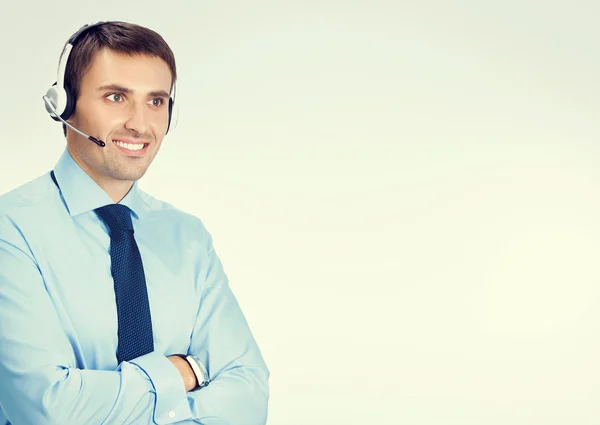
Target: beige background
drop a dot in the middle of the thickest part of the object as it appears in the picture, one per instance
(404, 197)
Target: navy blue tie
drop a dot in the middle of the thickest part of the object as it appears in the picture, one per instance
(133, 308)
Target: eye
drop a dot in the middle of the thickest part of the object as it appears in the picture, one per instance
(158, 101)
(117, 97)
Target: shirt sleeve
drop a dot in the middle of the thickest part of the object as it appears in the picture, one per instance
(171, 399)
(40, 383)
(238, 392)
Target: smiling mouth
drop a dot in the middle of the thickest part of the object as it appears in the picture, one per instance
(133, 147)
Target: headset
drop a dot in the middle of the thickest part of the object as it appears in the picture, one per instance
(60, 101)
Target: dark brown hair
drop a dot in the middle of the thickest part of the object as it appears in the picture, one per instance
(121, 37)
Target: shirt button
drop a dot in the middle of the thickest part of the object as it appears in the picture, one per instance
(171, 414)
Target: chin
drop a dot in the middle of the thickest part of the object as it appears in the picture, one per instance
(129, 175)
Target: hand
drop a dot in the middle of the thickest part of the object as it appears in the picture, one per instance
(187, 374)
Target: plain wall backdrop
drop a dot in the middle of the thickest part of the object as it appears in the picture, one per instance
(405, 195)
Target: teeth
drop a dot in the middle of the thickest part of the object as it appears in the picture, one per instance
(129, 146)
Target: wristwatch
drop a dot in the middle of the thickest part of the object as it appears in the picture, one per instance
(199, 370)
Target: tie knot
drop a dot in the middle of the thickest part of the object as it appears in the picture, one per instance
(116, 216)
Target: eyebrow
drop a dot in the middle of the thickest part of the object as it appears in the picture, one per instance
(117, 87)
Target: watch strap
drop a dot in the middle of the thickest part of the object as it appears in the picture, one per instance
(199, 370)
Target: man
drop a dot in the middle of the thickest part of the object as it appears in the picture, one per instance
(114, 307)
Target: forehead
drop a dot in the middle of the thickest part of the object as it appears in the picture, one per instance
(138, 71)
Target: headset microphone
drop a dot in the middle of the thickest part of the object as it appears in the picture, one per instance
(52, 109)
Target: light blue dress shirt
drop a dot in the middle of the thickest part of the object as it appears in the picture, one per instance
(58, 319)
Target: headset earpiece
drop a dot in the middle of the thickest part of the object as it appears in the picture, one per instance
(63, 103)
(57, 97)
(170, 113)
(70, 106)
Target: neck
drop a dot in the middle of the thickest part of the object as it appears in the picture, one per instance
(116, 189)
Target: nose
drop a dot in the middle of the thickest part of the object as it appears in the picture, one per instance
(137, 120)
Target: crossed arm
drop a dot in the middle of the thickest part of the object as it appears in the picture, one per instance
(41, 384)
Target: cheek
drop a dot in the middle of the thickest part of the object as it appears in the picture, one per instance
(106, 120)
(90, 114)
(158, 127)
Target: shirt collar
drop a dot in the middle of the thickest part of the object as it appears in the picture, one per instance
(82, 194)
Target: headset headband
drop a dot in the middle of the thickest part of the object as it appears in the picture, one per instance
(64, 59)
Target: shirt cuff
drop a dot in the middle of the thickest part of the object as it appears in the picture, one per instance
(171, 398)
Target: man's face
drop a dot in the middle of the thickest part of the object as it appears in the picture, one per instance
(122, 99)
